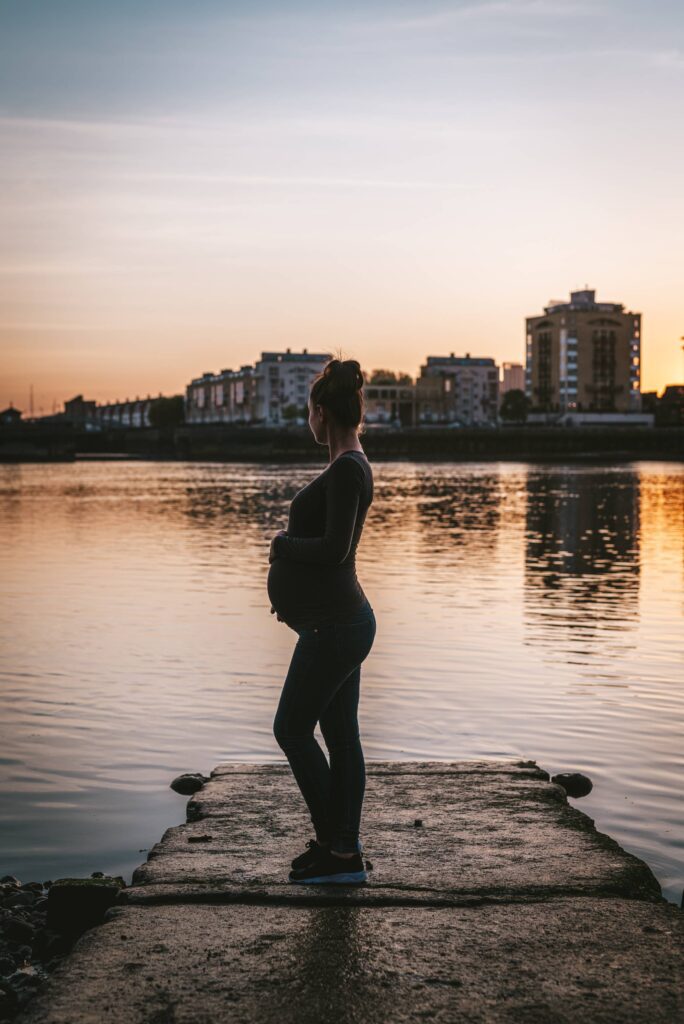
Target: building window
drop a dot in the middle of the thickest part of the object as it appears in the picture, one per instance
(544, 385)
(603, 369)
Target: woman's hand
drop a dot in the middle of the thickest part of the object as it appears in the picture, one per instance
(272, 554)
(271, 557)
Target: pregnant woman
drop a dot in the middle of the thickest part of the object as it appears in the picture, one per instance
(313, 588)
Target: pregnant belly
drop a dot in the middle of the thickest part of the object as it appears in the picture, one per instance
(294, 589)
(308, 595)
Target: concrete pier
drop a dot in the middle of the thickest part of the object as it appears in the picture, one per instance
(491, 899)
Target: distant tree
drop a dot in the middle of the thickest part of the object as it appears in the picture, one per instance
(167, 412)
(515, 406)
(293, 411)
(389, 377)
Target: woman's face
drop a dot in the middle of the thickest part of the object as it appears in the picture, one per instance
(317, 422)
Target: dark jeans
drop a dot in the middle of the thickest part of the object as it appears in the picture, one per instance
(322, 685)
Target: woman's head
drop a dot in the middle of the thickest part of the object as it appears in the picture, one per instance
(336, 400)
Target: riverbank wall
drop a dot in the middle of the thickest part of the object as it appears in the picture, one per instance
(261, 444)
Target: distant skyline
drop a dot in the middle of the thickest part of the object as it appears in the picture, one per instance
(186, 186)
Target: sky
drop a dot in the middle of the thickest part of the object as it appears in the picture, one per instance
(184, 186)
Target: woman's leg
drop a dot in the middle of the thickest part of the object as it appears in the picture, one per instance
(301, 702)
(323, 660)
(340, 728)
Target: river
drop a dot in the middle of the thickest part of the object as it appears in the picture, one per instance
(524, 611)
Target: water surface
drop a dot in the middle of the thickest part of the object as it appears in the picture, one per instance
(523, 611)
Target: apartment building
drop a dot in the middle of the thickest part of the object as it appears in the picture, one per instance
(583, 356)
(283, 381)
(131, 413)
(391, 402)
(89, 415)
(269, 392)
(458, 388)
(224, 397)
(513, 378)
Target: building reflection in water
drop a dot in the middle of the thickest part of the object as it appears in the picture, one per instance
(458, 521)
(582, 565)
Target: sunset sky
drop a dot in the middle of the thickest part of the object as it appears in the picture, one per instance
(185, 185)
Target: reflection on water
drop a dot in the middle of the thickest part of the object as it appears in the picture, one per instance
(582, 563)
(523, 611)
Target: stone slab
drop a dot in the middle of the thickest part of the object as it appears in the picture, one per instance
(565, 960)
(528, 768)
(490, 830)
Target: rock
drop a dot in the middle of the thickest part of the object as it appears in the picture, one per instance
(52, 945)
(18, 930)
(10, 880)
(97, 874)
(188, 783)
(24, 981)
(19, 899)
(6, 965)
(8, 1002)
(76, 904)
(418, 823)
(574, 783)
(199, 839)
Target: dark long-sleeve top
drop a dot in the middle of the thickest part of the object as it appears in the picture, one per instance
(312, 580)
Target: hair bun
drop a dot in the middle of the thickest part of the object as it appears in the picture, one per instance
(339, 389)
(344, 374)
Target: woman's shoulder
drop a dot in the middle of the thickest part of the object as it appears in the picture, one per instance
(347, 460)
(350, 468)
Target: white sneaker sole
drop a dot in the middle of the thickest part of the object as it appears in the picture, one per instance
(339, 878)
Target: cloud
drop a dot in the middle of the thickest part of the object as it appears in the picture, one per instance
(106, 127)
(494, 9)
(275, 181)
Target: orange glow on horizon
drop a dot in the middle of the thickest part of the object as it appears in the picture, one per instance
(395, 181)
(64, 363)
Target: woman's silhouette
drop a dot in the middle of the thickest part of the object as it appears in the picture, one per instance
(314, 589)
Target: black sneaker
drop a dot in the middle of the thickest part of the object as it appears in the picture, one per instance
(327, 869)
(309, 855)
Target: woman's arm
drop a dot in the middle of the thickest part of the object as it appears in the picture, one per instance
(344, 488)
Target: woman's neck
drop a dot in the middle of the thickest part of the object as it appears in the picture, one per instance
(340, 447)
